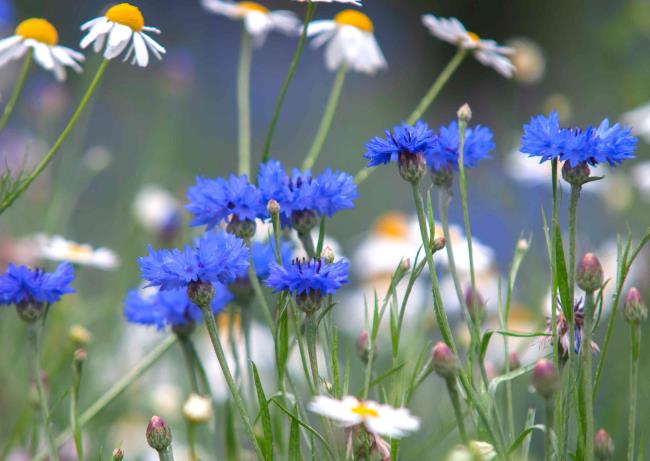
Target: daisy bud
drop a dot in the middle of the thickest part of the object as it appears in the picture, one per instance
(412, 167)
(244, 229)
(304, 221)
(30, 311)
(576, 175)
(464, 113)
(476, 306)
(439, 243)
(80, 355)
(513, 361)
(118, 454)
(273, 207)
(201, 293)
(546, 378)
(159, 435)
(634, 309)
(603, 446)
(363, 346)
(197, 409)
(80, 335)
(589, 275)
(443, 177)
(445, 362)
(328, 254)
(523, 245)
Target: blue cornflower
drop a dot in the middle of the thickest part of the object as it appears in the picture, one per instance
(563, 334)
(306, 277)
(403, 139)
(543, 137)
(607, 144)
(214, 257)
(263, 255)
(478, 144)
(22, 285)
(215, 200)
(173, 308)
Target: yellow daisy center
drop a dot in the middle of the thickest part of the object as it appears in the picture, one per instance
(474, 37)
(364, 411)
(355, 19)
(74, 249)
(127, 15)
(249, 7)
(38, 29)
(391, 225)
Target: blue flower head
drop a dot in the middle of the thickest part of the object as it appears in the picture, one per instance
(215, 200)
(214, 257)
(544, 138)
(263, 255)
(307, 277)
(20, 284)
(404, 138)
(169, 307)
(608, 144)
(477, 146)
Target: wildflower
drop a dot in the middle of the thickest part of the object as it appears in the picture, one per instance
(214, 257)
(157, 211)
(308, 280)
(57, 248)
(122, 25)
(374, 417)
(162, 308)
(353, 2)
(634, 309)
(603, 446)
(546, 378)
(80, 335)
(563, 330)
(589, 275)
(478, 143)
(528, 59)
(445, 362)
(197, 409)
(30, 290)
(42, 38)
(475, 451)
(258, 19)
(487, 52)
(118, 454)
(351, 42)
(159, 435)
(263, 255)
(639, 119)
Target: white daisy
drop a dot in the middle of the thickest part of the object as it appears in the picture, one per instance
(377, 418)
(353, 2)
(639, 120)
(56, 248)
(157, 210)
(42, 37)
(258, 19)
(488, 52)
(123, 24)
(351, 42)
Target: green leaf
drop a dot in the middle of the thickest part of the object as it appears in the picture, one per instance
(232, 450)
(265, 415)
(485, 342)
(383, 376)
(561, 276)
(294, 439)
(530, 420)
(321, 237)
(282, 342)
(494, 384)
(526, 432)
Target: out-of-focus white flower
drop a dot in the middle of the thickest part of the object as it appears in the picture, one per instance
(476, 451)
(121, 26)
(351, 42)
(97, 159)
(258, 19)
(350, 2)
(197, 409)
(639, 120)
(528, 59)
(57, 248)
(375, 417)
(299, 251)
(42, 37)
(641, 176)
(156, 210)
(488, 52)
(166, 398)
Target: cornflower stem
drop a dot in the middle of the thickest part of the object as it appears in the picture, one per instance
(166, 455)
(635, 350)
(548, 404)
(311, 335)
(188, 353)
(452, 389)
(587, 379)
(307, 243)
(211, 325)
(191, 440)
(74, 404)
(287, 81)
(243, 101)
(328, 116)
(559, 415)
(59, 142)
(18, 88)
(259, 294)
(425, 102)
(34, 333)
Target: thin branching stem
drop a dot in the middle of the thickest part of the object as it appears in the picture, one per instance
(18, 87)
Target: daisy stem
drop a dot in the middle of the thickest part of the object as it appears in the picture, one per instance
(287, 81)
(635, 350)
(326, 121)
(587, 379)
(458, 411)
(8, 201)
(425, 102)
(211, 325)
(18, 87)
(191, 440)
(34, 332)
(243, 101)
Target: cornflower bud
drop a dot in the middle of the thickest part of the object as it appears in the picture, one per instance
(30, 311)
(80, 355)
(304, 221)
(513, 361)
(634, 309)
(603, 446)
(273, 207)
(439, 244)
(546, 378)
(476, 306)
(363, 346)
(464, 113)
(443, 177)
(118, 454)
(244, 229)
(412, 167)
(445, 362)
(159, 435)
(576, 175)
(201, 293)
(197, 409)
(589, 275)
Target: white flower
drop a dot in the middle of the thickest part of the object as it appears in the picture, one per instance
(353, 2)
(156, 210)
(641, 176)
(56, 248)
(258, 19)
(123, 24)
(488, 52)
(42, 37)
(639, 120)
(477, 451)
(197, 409)
(351, 42)
(376, 418)
(528, 59)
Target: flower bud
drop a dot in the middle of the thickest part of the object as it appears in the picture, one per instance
(445, 362)
(589, 275)
(546, 378)
(118, 454)
(80, 335)
(244, 229)
(80, 355)
(201, 293)
(513, 361)
(309, 302)
(476, 306)
(363, 346)
(439, 243)
(576, 175)
(328, 254)
(159, 435)
(30, 311)
(634, 310)
(412, 166)
(523, 245)
(197, 409)
(443, 177)
(273, 207)
(405, 264)
(603, 446)
(304, 221)
(464, 113)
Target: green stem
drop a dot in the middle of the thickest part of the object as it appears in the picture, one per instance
(259, 294)
(635, 334)
(34, 337)
(129, 378)
(59, 142)
(243, 101)
(549, 430)
(587, 392)
(166, 454)
(221, 357)
(326, 121)
(18, 87)
(188, 354)
(425, 102)
(311, 335)
(74, 405)
(455, 402)
(287, 81)
(191, 440)
(307, 243)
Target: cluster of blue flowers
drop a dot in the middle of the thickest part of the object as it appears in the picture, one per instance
(545, 138)
(441, 150)
(21, 284)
